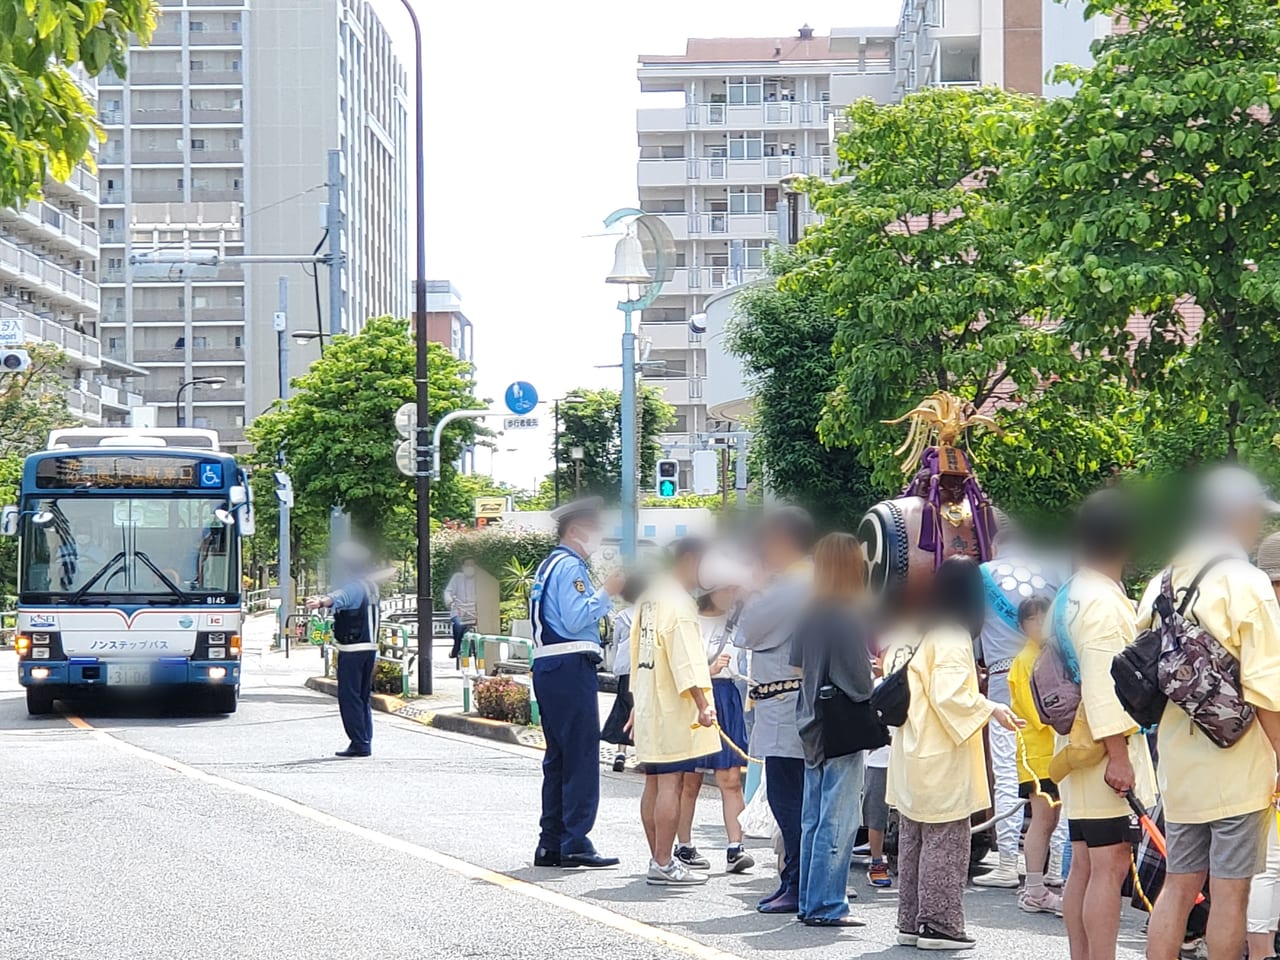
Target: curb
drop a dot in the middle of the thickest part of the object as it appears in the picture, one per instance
(449, 722)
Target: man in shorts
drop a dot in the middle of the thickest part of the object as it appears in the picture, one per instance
(1217, 801)
(1098, 620)
(673, 722)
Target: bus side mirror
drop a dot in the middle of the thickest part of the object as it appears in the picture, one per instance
(9, 522)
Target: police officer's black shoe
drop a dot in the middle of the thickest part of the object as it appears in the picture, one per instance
(352, 752)
(592, 859)
(542, 857)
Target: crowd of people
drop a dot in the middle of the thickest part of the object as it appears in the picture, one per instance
(769, 657)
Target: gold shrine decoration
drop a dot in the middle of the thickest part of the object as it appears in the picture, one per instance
(939, 420)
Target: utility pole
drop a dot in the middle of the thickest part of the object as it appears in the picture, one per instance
(628, 438)
(335, 223)
(740, 471)
(285, 564)
(724, 477)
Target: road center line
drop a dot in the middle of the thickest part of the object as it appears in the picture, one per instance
(589, 911)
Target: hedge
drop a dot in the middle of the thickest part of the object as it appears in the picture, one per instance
(492, 548)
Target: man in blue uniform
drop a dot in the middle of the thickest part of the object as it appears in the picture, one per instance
(566, 609)
(355, 633)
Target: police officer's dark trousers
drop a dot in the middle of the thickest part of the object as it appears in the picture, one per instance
(566, 688)
(355, 695)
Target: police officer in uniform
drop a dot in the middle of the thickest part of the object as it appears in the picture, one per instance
(566, 609)
(355, 633)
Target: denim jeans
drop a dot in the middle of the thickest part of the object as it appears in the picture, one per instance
(832, 814)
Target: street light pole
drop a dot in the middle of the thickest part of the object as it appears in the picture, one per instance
(555, 450)
(214, 382)
(424, 450)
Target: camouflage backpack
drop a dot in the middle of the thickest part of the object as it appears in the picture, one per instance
(1197, 672)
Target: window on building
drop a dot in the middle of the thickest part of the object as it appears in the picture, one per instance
(197, 144)
(746, 146)
(753, 254)
(181, 183)
(115, 263)
(235, 65)
(196, 65)
(196, 26)
(746, 200)
(115, 343)
(746, 89)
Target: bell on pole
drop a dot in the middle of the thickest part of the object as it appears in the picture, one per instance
(628, 262)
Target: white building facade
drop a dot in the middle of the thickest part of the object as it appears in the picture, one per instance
(749, 112)
(217, 139)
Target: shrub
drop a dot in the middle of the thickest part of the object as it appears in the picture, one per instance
(494, 549)
(501, 698)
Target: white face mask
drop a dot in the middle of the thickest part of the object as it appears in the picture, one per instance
(591, 541)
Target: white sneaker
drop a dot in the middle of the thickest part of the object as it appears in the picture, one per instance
(1005, 875)
(674, 874)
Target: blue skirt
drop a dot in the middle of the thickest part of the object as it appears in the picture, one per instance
(729, 714)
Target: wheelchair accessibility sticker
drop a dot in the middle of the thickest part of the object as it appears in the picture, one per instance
(211, 475)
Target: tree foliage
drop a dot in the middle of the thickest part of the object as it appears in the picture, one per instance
(915, 264)
(46, 122)
(338, 437)
(595, 424)
(1155, 184)
(784, 338)
(32, 402)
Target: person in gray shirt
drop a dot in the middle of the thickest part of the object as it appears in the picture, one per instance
(767, 624)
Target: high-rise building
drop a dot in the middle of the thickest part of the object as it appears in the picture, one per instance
(48, 282)
(733, 117)
(217, 139)
(446, 323)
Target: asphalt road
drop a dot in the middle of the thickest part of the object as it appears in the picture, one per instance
(241, 837)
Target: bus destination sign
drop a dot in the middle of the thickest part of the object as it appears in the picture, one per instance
(131, 472)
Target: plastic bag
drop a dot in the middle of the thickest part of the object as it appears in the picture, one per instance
(756, 818)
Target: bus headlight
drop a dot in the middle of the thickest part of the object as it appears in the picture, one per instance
(215, 673)
(40, 653)
(22, 643)
(39, 673)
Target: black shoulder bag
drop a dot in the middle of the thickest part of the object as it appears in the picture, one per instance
(891, 701)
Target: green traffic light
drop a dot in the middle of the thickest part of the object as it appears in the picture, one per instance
(667, 489)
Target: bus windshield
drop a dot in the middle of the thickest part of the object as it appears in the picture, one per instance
(101, 548)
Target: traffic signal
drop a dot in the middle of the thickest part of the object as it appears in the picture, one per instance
(668, 480)
(14, 361)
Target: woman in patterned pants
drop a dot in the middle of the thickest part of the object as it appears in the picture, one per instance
(937, 765)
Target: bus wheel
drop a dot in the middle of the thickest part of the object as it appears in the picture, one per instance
(224, 699)
(39, 701)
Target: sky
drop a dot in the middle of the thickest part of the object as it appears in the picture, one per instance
(531, 143)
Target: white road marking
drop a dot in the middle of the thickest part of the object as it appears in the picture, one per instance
(589, 911)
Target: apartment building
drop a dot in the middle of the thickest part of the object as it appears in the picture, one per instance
(217, 139)
(732, 117)
(446, 323)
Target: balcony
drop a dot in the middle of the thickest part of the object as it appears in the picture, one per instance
(158, 195)
(82, 349)
(783, 114)
(82, 184)
(149, 78)
(56, 227)
(677, 391)
(233, 158)
(668, 336)
(758, 170)
(216, 195)
(198, 355)
(63, 285)
(662, 173)
(143, 156)
(118, 398)
(706, 280)
(660, 120)
(142, 116)
(215, 115)
(204, 78)
(84, 404)
(215, 38)
(199, 395)
(746, 226)
(166, 37)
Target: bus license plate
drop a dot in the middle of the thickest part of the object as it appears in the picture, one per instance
(128, 674)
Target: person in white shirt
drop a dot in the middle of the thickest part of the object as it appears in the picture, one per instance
(721, 578)
(615, 725)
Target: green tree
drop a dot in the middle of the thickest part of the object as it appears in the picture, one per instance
(1155, 185)
(915, 261)
(46, 123)
(338, 435)
(785, 338)
(595, 425)
(32, 403)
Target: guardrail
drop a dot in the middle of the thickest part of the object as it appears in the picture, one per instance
(256, 601)
(8, 627)
(474, 647)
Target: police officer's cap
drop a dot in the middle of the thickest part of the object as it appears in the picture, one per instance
(587, 508)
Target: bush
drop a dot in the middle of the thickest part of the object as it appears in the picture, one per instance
(501, 698)
(493, 549)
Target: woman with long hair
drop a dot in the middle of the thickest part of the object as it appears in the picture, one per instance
(937, 765)
(832, 648)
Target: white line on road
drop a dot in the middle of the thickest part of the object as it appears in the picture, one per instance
(471, 871)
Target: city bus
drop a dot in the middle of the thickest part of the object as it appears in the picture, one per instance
(129, 575)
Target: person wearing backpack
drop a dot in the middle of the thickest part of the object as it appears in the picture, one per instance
(1092, 620)
(1218, 769)
(937, 762)
(1263, 914)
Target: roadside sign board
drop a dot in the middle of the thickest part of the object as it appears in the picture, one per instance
(520, 423)
(521, 397)
(490, 506)
(10, 332)
(406, 461)
(407, 419)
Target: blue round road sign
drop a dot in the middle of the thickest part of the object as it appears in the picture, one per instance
(521, 397)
